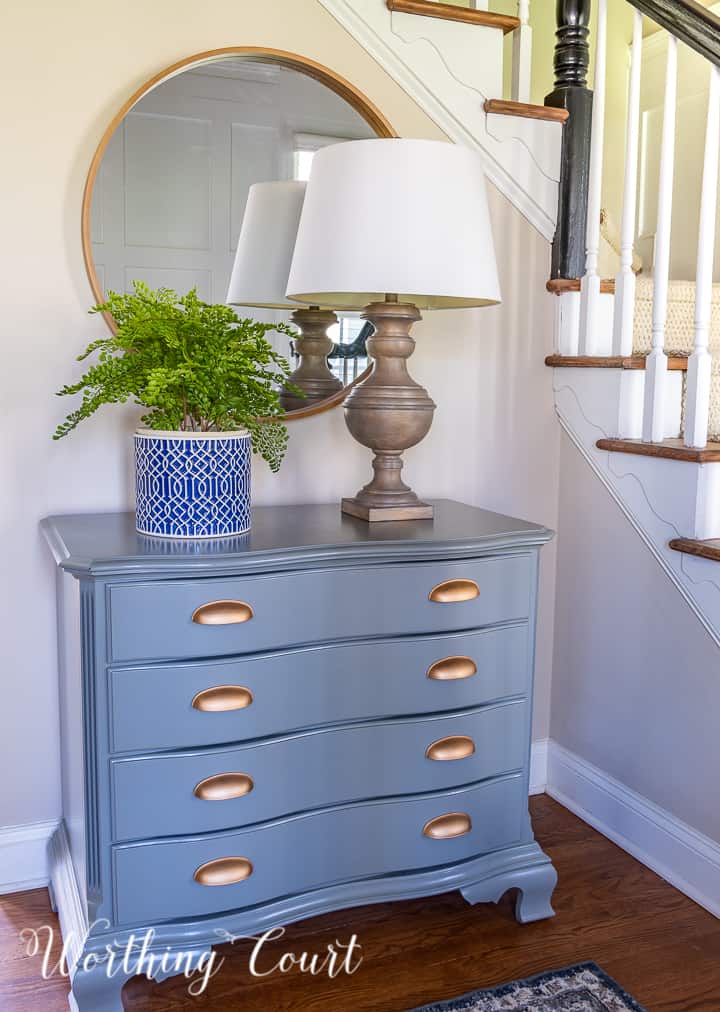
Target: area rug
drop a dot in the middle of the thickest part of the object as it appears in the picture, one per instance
(582, 988)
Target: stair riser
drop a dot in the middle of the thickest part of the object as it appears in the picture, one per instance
(672, 498)
(476, 53)
(568, 324)
(613, 399)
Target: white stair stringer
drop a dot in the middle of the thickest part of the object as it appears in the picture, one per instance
(450, 68)
(662, 498)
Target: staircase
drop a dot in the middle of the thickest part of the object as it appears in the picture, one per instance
(635, 385)
(640, 415)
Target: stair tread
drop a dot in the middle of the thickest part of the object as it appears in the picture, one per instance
(449, 12)
(691, 546)
(677, 363)
(559, 285)
(673, 449)
(504, 107)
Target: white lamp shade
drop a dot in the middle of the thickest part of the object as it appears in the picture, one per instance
(407, 217)
(265, 247)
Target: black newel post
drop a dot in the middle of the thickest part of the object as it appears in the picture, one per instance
(572, 57)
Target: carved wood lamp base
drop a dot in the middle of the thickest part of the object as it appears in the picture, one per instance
(389, 412)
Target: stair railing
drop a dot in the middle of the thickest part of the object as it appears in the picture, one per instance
(688, 23)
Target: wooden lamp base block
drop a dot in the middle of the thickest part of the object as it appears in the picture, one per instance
(419, 511)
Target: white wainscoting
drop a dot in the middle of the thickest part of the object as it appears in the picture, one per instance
(683, 857)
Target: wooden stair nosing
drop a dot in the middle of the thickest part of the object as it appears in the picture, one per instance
(691, 546)
(671, 449)
(558, 286)
(504, 107)
(449, 12)
(676, 363)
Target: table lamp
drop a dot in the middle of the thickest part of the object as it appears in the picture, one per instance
(392, 226)
(259, 280)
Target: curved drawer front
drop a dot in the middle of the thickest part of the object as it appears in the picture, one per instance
(152, 706)
(314, 770)
(205, 618)
(307, 852)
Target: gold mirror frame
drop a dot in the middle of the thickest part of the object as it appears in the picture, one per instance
(342, 87)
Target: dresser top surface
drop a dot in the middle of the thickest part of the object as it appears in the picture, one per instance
(105, 544)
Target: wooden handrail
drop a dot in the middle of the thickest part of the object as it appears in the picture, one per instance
(688, 21)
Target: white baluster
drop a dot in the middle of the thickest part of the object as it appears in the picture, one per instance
(697, 408)
(625, 280)
(522, 55)
(656, 365)
(590, 287)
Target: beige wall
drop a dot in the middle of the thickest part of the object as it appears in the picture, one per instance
(67, 68)
(635, 680)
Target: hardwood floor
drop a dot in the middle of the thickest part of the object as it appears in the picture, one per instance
(662, 947)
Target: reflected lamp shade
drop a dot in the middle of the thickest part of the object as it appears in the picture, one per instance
(259, 280)
(265, 246)
(407, 217)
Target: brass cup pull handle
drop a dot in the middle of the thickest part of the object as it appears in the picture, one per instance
(222, 613)
(456, 746)
(224, 786)
(451, 591)
(223, 871)
(450, 669)
(447, 827)
(219, 698)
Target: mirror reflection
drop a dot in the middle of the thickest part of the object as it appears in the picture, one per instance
(172, 187)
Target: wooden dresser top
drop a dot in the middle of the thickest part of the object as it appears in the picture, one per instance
(283, 537)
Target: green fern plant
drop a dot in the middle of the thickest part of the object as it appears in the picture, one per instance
(196, 368)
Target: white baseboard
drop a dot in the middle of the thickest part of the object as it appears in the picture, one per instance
(24, 856)
(539, 766)
(678, 853)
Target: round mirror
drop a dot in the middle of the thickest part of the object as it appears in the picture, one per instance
(168, 188)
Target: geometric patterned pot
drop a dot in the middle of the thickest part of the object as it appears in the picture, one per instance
(192, 484)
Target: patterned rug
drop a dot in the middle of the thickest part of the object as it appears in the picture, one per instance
(582, 988)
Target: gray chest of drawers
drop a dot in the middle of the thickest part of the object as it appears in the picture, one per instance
(319, 714)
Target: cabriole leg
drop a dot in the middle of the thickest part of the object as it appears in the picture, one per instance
(535, 887)
(533, 900)
(93, 991)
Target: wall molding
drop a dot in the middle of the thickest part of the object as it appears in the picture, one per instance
(681, 855)
(24, 856)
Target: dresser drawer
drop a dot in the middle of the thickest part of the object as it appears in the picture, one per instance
(156, 881)
(152, 707)
(205, 618)
(205, 791)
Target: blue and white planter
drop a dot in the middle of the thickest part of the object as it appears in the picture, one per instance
(192, 484)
